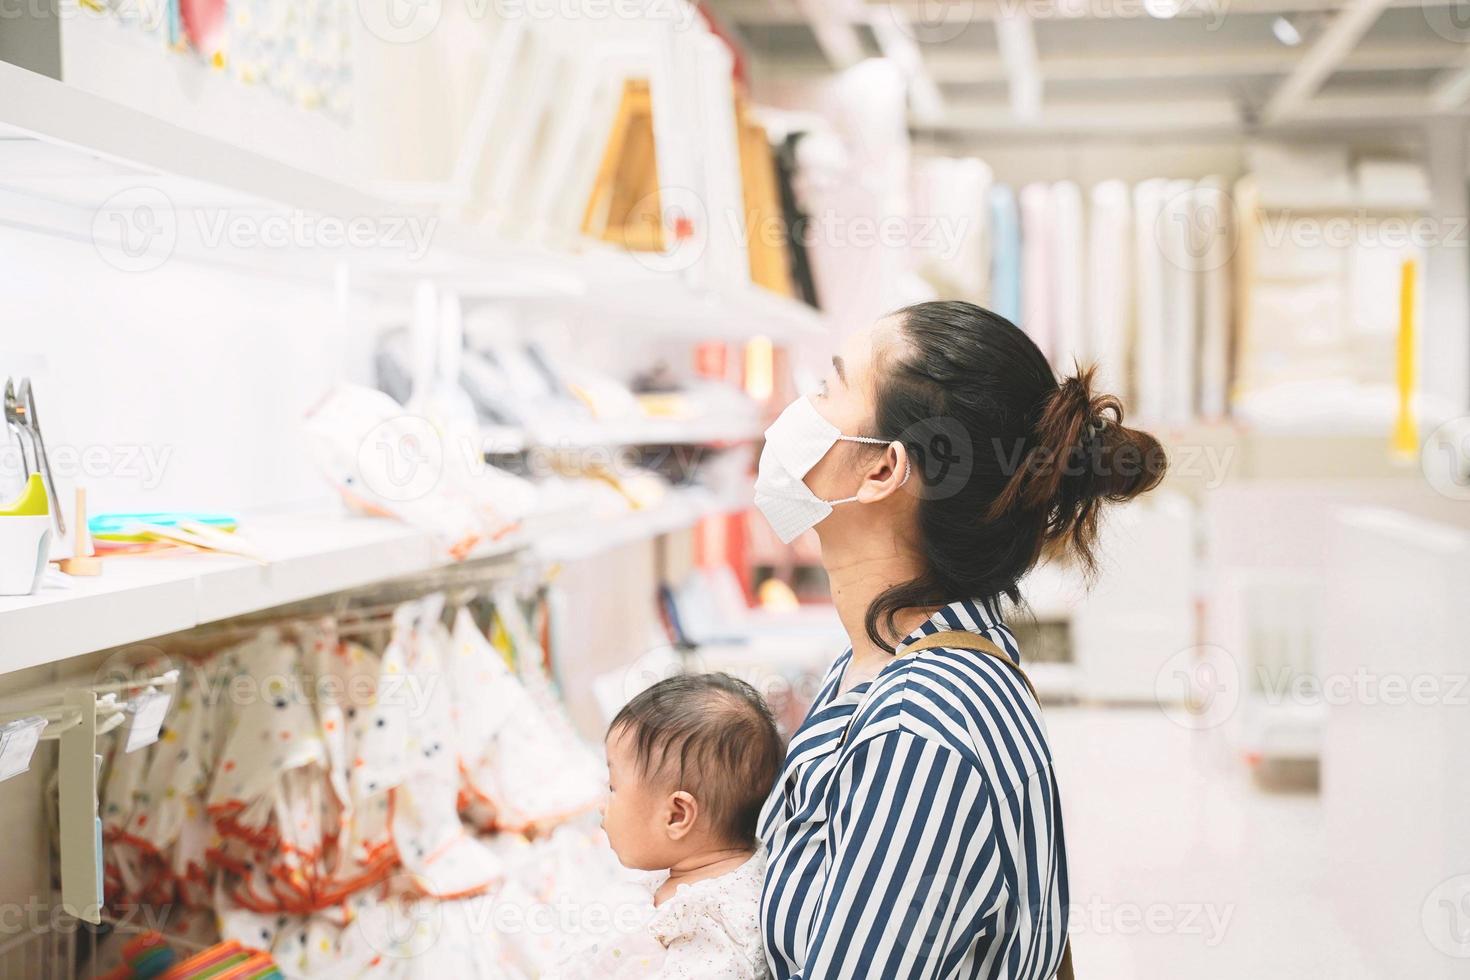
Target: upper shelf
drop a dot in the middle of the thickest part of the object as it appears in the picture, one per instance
(65, 153)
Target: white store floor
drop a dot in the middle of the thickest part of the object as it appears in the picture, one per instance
(1182, 867)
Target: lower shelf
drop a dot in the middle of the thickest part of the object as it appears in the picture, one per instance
(311, 554)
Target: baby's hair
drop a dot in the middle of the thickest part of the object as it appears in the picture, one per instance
(712, 736)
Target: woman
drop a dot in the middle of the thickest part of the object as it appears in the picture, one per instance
(916, 828)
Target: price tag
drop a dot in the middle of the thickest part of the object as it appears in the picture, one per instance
(148, 710)
(18, 741)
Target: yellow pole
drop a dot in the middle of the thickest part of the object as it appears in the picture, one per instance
(1406, 431)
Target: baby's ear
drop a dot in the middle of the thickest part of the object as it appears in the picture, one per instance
(683, 813)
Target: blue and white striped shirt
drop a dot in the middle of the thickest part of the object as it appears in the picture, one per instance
(929, 843)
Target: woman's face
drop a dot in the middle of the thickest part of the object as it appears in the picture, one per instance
(846, 398)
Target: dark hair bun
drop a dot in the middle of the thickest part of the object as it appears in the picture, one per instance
(1083, 455)
(1027, 463)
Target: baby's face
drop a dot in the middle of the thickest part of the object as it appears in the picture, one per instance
(635, 815)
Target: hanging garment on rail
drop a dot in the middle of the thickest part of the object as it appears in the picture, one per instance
(1005, 254)
(951, 227)
(1150, 367)
(305, 793)
(798, 223)
(1215, 221)
(431, 842)
(1109, 287)
(1069, 272)
(526, 769)
(1179, 244)
(1037, 273)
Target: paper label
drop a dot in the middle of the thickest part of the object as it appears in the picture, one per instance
(148, 710)
(18, 741)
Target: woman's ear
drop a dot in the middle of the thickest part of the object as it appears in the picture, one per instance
(886, 474)
(683, 812)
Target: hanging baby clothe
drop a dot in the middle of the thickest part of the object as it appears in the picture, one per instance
(307, 792)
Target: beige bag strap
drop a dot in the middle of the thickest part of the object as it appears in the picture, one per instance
(965, 640)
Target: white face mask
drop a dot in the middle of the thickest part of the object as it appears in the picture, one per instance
(796, 442)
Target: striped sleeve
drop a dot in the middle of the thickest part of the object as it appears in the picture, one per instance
(916, 883)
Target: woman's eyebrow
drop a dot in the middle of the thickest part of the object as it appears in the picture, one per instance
(841, 370)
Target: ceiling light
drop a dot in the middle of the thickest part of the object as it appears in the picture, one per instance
(1163, 9)
(1286, 32)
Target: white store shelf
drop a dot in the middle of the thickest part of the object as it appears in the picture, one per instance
(65, 153)
(678, 510)
(649, 432)
(141, 596)
(138, 597)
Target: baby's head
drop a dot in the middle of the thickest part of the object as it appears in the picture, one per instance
(690, 762)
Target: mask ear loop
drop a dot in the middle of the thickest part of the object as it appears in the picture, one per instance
(869, 440)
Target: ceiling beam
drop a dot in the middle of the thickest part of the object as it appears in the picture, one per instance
(1452, 88)
(1322, 58)
(756, 12)
(956, 66)
(1016, 39)
(1366, 108)
(896, 41)
(833, 24)
(1171, 117)
(950, 66)
(1076, 118)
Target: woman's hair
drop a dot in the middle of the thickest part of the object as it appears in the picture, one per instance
(712, 736)
(1012, 465)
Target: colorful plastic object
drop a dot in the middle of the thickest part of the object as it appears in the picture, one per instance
(130, 527)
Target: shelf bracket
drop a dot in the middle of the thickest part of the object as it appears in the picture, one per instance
(75, 717)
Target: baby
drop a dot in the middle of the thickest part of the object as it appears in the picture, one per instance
(690, 762)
